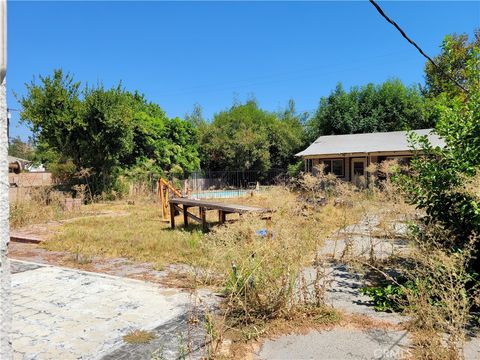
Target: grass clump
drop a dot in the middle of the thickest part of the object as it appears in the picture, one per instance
(139, 337)
(43, 204)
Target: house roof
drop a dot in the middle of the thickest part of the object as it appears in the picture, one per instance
(366, 143)
(12, 159)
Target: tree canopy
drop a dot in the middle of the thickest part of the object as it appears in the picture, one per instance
(446, 181)
(389, 106)
(246, 137)
(105, 129)
(457, 53)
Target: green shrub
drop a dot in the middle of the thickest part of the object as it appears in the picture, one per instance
(390, 296)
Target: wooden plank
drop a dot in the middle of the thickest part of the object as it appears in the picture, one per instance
(172, 215)
(24, 238)
(194, 217)
(189, 214)
(209, 205)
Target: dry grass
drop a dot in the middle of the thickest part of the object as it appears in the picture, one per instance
(141, 235)
(261, 277)
(44, 205)
(440, 304)
(137, 233)
(139, 337)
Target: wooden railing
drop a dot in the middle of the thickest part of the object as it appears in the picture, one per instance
(166, 190)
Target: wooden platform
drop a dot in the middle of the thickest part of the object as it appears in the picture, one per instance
(204, 205)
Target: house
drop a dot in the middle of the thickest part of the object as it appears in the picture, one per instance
(16, 165)
(348, 156)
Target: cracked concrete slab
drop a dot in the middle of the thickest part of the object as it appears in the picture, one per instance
(61, 313)
(337, 344)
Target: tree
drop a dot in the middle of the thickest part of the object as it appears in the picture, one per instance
(246, 137)
(106, 133)
(53, 111)
(196, 117)
(168, 142)
(105, 130)
(94, 132)
(457, 52)
(447, 179)
(21, 149)
(389, 106)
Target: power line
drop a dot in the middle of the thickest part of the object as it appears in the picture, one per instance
(276, 76)
(382, 13)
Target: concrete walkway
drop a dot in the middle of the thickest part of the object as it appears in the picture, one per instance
(338, 344)
(63, 313)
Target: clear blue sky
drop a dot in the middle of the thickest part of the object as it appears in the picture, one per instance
(181, 53)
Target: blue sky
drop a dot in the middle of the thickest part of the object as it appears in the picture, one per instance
(182, 53)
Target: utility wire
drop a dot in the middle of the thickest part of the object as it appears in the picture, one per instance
(381, 12)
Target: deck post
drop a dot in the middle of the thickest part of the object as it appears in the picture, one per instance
(172, 215)
(203, 216)
(221, 216)
(185, 215)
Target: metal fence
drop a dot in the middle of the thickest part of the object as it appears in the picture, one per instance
(227, 184)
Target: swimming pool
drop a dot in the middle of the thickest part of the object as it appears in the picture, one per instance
(220, 194)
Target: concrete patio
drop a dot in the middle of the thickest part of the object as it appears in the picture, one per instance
(62, 313)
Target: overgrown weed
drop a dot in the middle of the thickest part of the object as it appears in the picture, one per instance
(441, 301)
(44, 204)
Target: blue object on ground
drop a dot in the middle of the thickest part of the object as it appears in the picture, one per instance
(264, 233)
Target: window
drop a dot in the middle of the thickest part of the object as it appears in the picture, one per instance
(337, 167)
(308, 165)
(334, 166)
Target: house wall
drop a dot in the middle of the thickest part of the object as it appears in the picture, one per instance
(347, 168)
(348, 160)
(346, 164)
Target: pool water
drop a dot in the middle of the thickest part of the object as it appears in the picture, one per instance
(220, 194)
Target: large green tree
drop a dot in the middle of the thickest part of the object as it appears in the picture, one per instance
(105, 130)
(389, 106)
(246, 137)
(170, 142)
(446, 181)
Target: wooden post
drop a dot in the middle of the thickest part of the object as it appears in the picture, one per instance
(172, 215)
(185, 215)
(203, 216)
(221, 216)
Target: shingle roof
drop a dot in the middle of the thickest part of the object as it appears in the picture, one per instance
(366, 143)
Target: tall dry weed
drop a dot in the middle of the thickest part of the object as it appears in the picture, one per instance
(43, 204)
(270, 269)
(442, 298)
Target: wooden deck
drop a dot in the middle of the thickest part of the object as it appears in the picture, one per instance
(203, 205)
